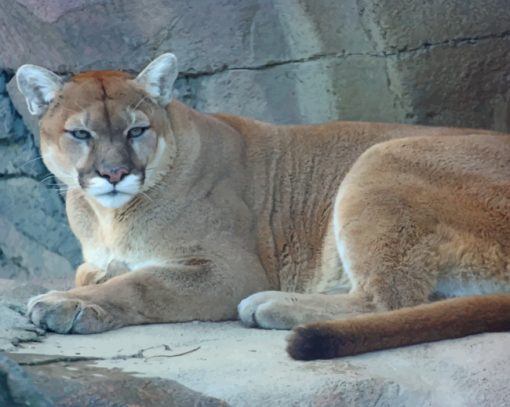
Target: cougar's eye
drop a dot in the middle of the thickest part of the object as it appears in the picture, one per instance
(135, 132)
(79, 134)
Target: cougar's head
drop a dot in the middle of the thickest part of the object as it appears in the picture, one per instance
(104, 131)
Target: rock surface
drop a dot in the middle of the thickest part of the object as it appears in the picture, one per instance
(248, 367)
(62, 384)
(308, 61)
(46, 223)
(14, 326)
(35, 240)
(16, 387)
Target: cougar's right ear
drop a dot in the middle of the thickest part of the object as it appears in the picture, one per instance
(158, 78)
(39, 86)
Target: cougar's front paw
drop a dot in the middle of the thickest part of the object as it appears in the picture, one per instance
(88, 274)
(60, 312)
(267, 309)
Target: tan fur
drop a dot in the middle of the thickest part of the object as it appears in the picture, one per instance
(230, 207)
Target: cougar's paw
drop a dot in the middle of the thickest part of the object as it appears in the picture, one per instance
(86, 276)
(267, 309)
(59, 312)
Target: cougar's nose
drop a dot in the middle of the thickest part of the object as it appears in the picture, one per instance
(113, 174)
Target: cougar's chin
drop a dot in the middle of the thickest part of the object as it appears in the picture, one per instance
(113, 196)
(113, 200)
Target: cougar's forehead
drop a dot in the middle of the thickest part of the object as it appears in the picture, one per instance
(103, 101)
(107, 118)
(99, 85)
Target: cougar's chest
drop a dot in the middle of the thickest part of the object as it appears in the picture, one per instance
(115, 245)
(105, 257)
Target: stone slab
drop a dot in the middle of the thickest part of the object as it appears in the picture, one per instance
(32, 260)
(407, 25)
(65, 385)
(37, 213)
(78, 35)
(248, 367)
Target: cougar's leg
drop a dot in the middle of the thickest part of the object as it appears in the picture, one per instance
(199, 290)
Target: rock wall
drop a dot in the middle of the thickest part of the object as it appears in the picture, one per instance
(34, 237)
(433, 62)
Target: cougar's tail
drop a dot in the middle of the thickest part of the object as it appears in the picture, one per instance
(453, 318)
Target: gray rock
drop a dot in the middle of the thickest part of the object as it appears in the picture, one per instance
(14, 326)
(16, 387)
(36, 240)
(408, 25)
(28, 258)
(22, 158)
(15, 329)
(302, 62)
(302, 92)
(74, 383)
(471, 89)
(287, 62)
(3, 82)
(7, 117)
(249, 367)
(108, 34)
(38, 213)
(15, 294)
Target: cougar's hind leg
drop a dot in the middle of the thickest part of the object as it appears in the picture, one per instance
(388, 249)
(391, 255)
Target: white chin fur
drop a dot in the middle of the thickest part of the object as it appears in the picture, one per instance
(113, 201)
(102, 190)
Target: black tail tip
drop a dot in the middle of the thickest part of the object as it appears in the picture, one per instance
(311, 343)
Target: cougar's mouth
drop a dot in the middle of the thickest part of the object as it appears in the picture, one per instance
(113, 195)
(113, 199)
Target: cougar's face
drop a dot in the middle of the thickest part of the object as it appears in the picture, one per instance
(103, 131)
(105, 136)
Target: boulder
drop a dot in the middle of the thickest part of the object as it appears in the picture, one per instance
(26, 259)
(43, 384)
(16, 387)
(305, 62)
(249, 367)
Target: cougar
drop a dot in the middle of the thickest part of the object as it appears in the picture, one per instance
(355, 234)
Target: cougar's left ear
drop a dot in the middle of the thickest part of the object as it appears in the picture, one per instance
(158, 78)
(39, 86)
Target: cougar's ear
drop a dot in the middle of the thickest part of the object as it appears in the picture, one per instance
(39, 86)
(158, 78)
